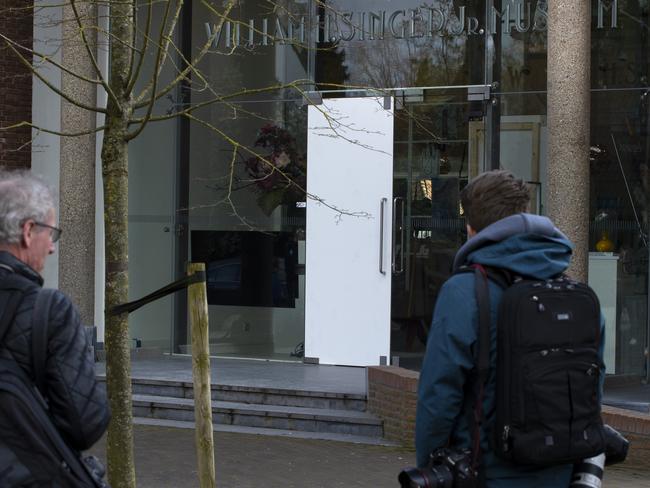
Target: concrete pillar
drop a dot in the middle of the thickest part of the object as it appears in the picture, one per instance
(46, 112)
(569, 64)
(77, 176)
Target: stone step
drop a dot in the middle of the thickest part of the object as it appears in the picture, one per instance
(304, 419)
(643, 407)
(252, 395)
(296, 434)
(137, 353)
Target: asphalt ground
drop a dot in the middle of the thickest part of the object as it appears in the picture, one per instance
(165, 457)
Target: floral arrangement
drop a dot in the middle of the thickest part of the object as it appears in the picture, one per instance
(285, 180)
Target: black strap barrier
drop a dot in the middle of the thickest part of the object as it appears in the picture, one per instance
(198, 277)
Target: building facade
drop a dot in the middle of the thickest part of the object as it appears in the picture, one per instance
(467, 84)
(318, 177)
(15, 89)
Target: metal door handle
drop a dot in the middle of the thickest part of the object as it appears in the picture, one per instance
(401, 234)
(401, 231)
(382, 212)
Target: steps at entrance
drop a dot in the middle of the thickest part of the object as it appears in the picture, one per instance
(266, 416)
(295, 434)
(260, 410)
(246, 394)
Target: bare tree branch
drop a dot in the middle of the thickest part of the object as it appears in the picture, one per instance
(113, 37)
(274, 168)
(89, 51)
(228, 198)
(48, 59)
(195, 61)
(160, 56)
(223, 98)
(162, 44)
(49, 131)
(59, 92)
(133, 76)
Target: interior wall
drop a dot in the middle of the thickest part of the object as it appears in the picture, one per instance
(152, 203)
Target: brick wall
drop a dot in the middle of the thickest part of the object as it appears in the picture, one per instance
(16, 22)
(627, 421)
(392, 396)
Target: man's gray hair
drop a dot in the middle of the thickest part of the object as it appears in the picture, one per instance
(23, 196)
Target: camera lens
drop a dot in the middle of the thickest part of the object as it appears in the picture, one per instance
(434, 477)
(588, 473)
(440, 477)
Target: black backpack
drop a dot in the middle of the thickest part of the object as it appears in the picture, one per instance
(548, 368)
(26, 428)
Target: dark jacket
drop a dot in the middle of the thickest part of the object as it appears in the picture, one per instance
(78, 403)
(527, 245)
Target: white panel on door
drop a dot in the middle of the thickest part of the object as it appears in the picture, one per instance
(348, 236)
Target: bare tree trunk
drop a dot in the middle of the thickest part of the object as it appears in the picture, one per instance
(115, 171)
(121, 470)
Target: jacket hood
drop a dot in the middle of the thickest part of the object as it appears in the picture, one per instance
(525, 244)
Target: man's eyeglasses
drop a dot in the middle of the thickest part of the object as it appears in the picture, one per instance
(55, 233)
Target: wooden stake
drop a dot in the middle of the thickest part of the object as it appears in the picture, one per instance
(198, 305)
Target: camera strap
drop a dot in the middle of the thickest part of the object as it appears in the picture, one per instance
(483, 362)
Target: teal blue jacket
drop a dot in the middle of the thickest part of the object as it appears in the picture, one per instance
(524, 244)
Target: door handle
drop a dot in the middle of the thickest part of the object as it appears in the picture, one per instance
(382, 213)
(401, 232)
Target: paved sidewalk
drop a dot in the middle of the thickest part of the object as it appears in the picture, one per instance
(165, 458)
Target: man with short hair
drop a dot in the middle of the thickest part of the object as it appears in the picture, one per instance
(77, 403)
(500, 235)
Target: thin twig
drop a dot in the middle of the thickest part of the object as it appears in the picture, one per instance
(183, 74)
(290, 182)
(133, 77)
(49, 131)
(90, 53)
(56, 90)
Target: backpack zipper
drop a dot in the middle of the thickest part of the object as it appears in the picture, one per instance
(506, 437)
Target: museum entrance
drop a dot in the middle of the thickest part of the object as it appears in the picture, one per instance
(383, 216)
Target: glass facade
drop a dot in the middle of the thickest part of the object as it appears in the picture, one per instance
(620, 156)
(431, 165)
(469, 82)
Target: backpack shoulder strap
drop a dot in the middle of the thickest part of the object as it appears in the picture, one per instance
(482, 363)
(9, 302)
(483, 302)
(500, 276)
(12, 291)
(482, 293)
(40, 322)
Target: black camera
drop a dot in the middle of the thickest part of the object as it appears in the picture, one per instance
(588, 473)
(449, 468)
(616, 446)
(96, 470)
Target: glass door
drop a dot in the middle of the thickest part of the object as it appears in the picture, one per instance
(439, 145)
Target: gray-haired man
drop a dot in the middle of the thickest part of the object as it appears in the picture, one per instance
(77, 404)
